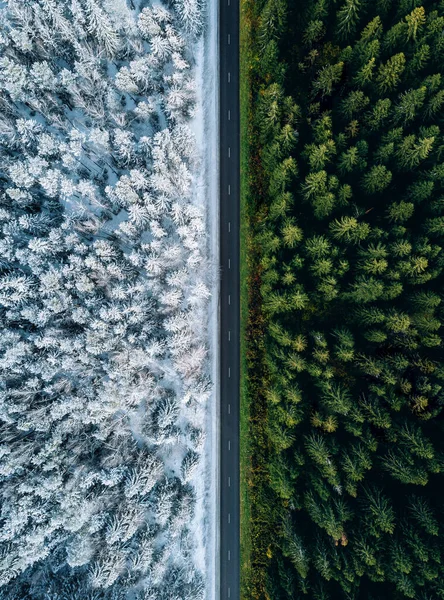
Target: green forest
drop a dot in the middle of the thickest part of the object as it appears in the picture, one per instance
(344, 363)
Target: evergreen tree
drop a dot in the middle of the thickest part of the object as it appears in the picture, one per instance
(352, 264)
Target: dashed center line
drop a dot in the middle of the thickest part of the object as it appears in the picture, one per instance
(228, 555)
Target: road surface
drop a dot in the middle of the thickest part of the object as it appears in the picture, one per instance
(229, 298)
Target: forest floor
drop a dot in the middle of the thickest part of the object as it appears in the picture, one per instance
(255, 517)
(244, 405)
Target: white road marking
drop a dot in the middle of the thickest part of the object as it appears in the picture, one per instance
(229, 409)
(229, 445)
(229, 481)
(229, 226)
(229, 115)
(229, 263)
(229, 39)
(229, 298)
(229, 517)
(229, 372)
(229, 152)
(229, 189)
(229, 77)
(229, 555)
(229, 336)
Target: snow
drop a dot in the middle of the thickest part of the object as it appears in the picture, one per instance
(109, 235)
(206, 129)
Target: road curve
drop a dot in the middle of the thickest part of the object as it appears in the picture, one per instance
(229, 298)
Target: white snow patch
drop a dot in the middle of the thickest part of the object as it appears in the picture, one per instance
(205, 126)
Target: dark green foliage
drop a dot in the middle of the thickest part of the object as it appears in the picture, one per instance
(350, 227)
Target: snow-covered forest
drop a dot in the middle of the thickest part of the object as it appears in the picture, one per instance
(104, 291)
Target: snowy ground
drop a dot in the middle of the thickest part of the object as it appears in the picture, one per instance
(206, 129)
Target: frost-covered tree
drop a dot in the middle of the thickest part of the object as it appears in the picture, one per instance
(103, 289)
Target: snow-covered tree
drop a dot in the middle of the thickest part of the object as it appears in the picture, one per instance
(103, 289)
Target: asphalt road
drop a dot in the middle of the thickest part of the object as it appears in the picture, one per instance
(229, 298)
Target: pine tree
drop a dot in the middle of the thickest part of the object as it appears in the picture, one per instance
(366, 73)
(379, 113)
(348, 17)
(349, 230)
(272, 20)
(416, 443)
(409, 104)
(313, 32)
(379, 515)
(98, 309)
(351, 374)
(297, 553)
(411, 152)
(355, 102)
(423, 515)
(344, 348)
(399, 212)
(402, 467)
(389, 74)
(415, 22)
(377, 179)
(327, 78)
